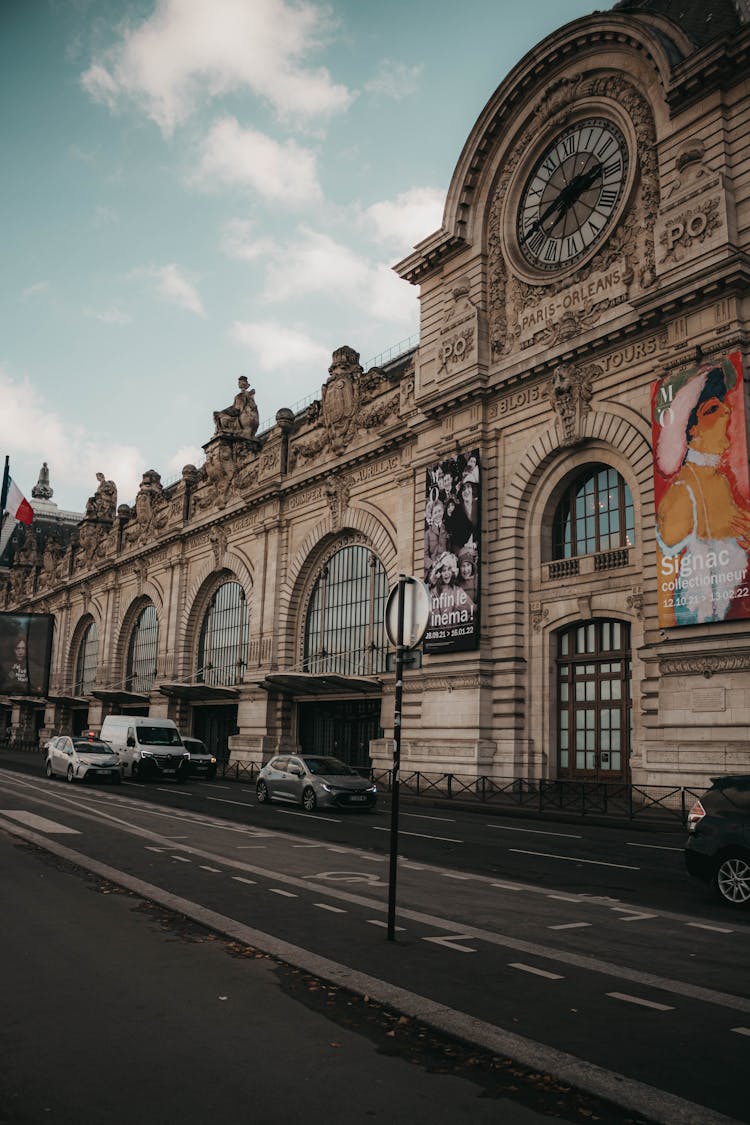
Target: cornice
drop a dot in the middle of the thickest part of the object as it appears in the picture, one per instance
(730, 275)
(719, 66)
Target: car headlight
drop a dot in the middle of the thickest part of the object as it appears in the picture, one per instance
(372, 789)
(213, 761)
(328, 788)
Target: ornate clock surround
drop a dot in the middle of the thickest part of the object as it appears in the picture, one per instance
(513, 284)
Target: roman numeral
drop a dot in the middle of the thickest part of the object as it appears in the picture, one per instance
(607, 199)
(613, 168)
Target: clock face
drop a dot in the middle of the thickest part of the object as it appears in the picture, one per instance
(572, 195)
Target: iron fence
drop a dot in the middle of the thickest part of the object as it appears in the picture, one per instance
(537, 796)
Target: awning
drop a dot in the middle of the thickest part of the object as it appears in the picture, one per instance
(312, 683)
(205, 693)
(69, 700)
(121, 698)
(29, 700)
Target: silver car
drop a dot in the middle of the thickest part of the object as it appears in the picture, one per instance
(311, 780)
(82, 759)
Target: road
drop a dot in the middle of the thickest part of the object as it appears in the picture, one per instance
(617, 974)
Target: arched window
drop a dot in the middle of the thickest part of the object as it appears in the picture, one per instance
(595, 514)
(344, 629)
(142, 649)
(88, 651)
(224, 638)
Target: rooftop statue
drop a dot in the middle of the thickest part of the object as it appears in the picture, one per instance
(241, 418)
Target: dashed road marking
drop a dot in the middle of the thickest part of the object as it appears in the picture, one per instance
(533, 969)
(327, 906)
(741, 1030)
(421, 835)
(575, 859)
(241, 879)
(534, 831)
(213, 870)
(641, 1001)
(40, 823)
(714, 929)
(278, 891)
(570, 926)
(181, 859)
(377, 922)
(453, 941)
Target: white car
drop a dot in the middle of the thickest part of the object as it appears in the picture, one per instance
(82, 759)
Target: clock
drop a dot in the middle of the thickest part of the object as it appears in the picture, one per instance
(572, 196)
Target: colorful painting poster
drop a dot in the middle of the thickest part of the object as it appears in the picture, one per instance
(452, 546)
(25, 651)
(702, 493)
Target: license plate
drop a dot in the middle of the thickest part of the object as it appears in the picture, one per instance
(358, 798)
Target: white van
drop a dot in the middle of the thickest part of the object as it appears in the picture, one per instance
(147, 748)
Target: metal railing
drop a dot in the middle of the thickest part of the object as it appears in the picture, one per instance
(537, 796)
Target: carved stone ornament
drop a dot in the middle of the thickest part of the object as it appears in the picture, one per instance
(523, 314)
(241, 418)
(217, 537)
(42, 490)
(570, 394)
(635, 602)
(342, 407)
(149, 514)
(706, 665)
(337, 494)
(341, 396)
(217, 476)
(539, 615)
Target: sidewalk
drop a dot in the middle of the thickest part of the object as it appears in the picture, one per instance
(119, 1010)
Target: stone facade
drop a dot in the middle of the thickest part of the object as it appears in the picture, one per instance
(545, 367)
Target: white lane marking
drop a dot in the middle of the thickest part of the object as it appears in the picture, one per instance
(205, 867)
(374, 858)
(640, 1000)
(421, 816)
(154, 849)
(278, 891)
(655, 847)
(180, 792)
(533, 969)
(573, 859)
(307, 845)
(452, 941)
(714, 929)
(637, 917)
(565, 898)
(250, 847)
(507, 886)
(377, 922)
(240, 879)
(224, 801)
(290, 812)
(40, 822)
(741, 1030)
(455, 875)
(327, 906)
(533, 831)
(420, 835)
(412, 866)
(181, 859)
(570, 926)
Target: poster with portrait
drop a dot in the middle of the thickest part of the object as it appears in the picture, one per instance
(452, 552)
(702, 493)
(25, 653)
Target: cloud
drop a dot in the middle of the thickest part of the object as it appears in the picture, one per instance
(406, 220)
(175, 288)
(279, 346)
(314, 264)
(186, 455)
(281, 173)
(112, 315)
(238, 241)
(35, 289)
(187, 53)
(28, 426)
(395, 80)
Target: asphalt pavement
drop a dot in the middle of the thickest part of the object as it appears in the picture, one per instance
(116, 1009)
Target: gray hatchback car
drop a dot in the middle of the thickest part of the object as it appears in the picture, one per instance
(311, 780)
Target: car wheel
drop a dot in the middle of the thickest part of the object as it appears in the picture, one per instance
(731, 880)
(309, 800)
(70, 775)
(261, 793)
(48, 768)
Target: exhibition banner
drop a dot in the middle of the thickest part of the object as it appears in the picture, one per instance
(452, 552)
(702, 493)
(25, 653)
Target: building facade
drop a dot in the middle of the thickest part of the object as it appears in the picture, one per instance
(563, 460)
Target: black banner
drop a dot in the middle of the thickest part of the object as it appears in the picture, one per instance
(452, 545)
(25, 653)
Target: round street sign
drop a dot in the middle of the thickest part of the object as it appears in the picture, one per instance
(416, 612)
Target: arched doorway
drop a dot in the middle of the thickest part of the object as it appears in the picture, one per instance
(594, 701)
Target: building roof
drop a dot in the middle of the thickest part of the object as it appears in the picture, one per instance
(701, 20)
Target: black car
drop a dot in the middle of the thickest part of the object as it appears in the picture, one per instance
(718, 847)
(202, 761)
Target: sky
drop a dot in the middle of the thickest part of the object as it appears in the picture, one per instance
(194, 190)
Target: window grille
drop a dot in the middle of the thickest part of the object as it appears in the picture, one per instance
(344, 628)
(595, 515)
(88, 651)
(224, 637)
(142, 651)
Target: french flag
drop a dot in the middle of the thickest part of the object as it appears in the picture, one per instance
(16, 504)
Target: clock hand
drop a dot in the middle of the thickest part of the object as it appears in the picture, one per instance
(565, 199)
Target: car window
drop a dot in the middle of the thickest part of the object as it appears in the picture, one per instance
(158, 736)
(295, 763)
(92, 746)
(281, 764)
(331, 767)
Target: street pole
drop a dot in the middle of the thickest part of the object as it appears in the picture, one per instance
(396, 775)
